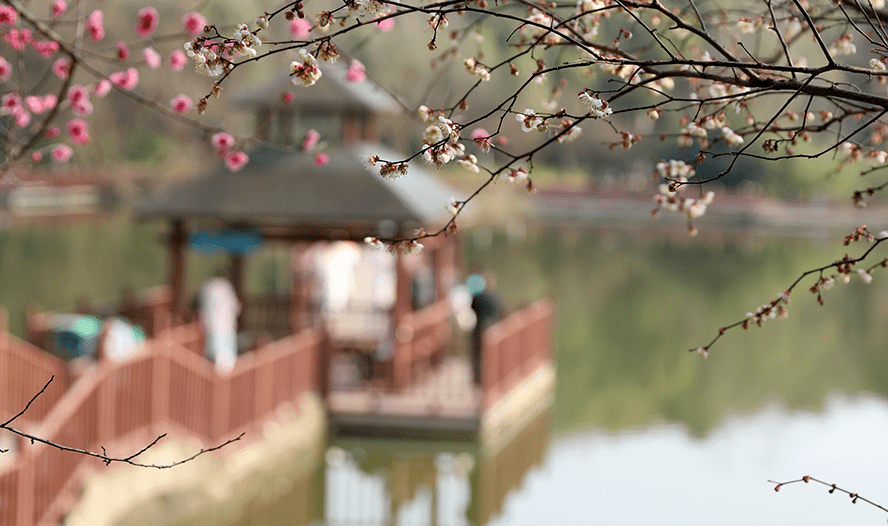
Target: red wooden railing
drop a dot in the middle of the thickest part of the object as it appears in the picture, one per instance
(166, 385)
(420, 339)
(24, 370)
(514, 348)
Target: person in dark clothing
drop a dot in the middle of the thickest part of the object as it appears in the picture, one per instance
(488, 310)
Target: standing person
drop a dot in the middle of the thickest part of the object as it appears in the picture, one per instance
(219, 311)
(488, 310)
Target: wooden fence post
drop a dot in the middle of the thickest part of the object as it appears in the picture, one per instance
(222, 397)
(160, 380)
(25, 511)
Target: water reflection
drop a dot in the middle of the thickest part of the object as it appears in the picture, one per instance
(640, 430)
(404, 483)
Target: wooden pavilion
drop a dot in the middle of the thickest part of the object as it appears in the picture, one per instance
(286, 198)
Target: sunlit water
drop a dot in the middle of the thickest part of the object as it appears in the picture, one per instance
(641, 431)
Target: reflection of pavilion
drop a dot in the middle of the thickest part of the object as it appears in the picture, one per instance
(382, 367)
(443, 484)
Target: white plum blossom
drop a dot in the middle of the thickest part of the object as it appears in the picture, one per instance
(427, 115)
(247, 42)
(731, 137)
(432, 135)
(596, 107)
(206, 62)
(745, 25)
(473, 67)
(374, 243)
(454, 206)
(515, 175)
(305, 70)
(674, 169)
(864, 276)
(843, 46)
(469, 163)
(530, 121)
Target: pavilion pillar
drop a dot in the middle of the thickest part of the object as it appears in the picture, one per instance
(176, 280)
(403, 289)
(237, 281)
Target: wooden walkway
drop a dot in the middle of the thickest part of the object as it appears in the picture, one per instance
(443, 403)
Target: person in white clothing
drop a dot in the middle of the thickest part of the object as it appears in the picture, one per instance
(219, 311)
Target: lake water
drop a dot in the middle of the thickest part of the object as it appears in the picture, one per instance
(640, 431)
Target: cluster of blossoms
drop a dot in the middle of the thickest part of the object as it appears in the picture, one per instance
(843, 46)
(570, 132)
(518, 176)
(78, 99)
(206, 61)
(473, 67)
(224, 144)
(538, 25)
(441, 142)
(596, 107)
(305, 70)
(388, 169)
(775, 310)
(406, 247)
(668, 197)
(531, 121)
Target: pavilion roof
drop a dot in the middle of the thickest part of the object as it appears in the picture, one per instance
(287, 191)
(332, 93)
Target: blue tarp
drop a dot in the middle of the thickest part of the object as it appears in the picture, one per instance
(232, 241)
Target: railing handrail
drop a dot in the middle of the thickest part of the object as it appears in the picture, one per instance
(514, 347)
(96, 390)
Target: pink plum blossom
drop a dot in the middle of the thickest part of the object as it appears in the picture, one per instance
(234, 161)
(22, 118)
(311, 140)
(288, 97)
(78, 130)
(18, 39)
(122, 50)
(125, 80)
(300, 27)
(39, 105)
(95, 25)
(78, 96)
(147, 21)
(222, 141)
(61, 153)
(194, 23)
(7, 15)
(177, 60)
(5, 69)
(58, 8)
(103, 87)
(11, 103)
(52, 132)
(355, 72)
(45, 48)
(36, 156)
(181, 104)
(152, 57)
(62, 68)
(386, 25)
(321, 159)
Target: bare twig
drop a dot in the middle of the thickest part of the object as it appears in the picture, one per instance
(103, 456)
(832, 489)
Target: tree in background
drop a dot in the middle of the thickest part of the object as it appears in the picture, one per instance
(722, 87)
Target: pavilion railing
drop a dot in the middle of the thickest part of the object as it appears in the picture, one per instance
(514, 348)
(165, 385)
(149, 309)
(420, 339)
(24, 370)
